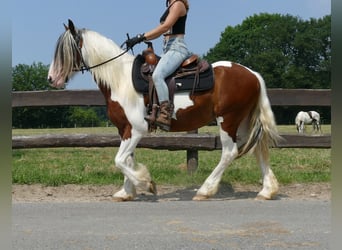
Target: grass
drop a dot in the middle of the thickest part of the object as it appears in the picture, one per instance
(58, 166)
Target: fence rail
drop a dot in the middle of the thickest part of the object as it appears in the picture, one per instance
(160, 141)
(278, 97)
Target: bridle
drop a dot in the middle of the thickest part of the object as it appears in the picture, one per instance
(83, 67)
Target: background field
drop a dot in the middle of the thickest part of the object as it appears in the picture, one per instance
(58, 166)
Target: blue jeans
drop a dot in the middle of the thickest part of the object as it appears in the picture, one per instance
(175, 52)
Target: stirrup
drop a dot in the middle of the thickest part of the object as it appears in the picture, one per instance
(151, 118)
(163, 126)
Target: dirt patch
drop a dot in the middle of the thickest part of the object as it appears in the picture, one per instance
(87, 193)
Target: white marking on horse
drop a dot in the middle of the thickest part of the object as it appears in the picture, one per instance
(181, 101)
(222, 63)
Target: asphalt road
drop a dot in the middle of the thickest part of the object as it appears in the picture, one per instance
(233, 224)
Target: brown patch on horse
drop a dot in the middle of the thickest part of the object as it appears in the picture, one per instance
(235, 99)
(242, 98)
(195, 116)
(116, 113)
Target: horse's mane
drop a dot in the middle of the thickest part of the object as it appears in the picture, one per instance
(98, 49)
(64, 54)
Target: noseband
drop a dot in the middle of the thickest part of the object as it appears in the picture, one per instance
(83, 67)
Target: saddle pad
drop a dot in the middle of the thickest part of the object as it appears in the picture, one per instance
(183, 84)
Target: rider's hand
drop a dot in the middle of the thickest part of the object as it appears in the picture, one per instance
(135, 40)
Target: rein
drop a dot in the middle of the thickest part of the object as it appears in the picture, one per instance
(87, 68)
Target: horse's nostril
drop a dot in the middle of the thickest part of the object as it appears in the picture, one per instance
(50, 79)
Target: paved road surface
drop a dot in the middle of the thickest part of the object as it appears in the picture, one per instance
(235, 224)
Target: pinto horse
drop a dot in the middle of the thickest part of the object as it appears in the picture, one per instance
(310, 117)
(238, 102)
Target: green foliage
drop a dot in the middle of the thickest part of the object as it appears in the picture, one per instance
(86, 117)
(287, 51)
(56, 167)
(30, 77)
(96, 165)
(33, 78)
(36, 117)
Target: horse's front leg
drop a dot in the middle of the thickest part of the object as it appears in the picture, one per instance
(302, 127)
(128, 191)
(135, 176)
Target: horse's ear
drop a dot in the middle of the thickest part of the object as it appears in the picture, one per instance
(66, 27)
(71, 27)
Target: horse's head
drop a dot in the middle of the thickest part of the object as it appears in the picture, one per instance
(67, 57)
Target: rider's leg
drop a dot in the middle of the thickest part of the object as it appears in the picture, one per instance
(175, 53)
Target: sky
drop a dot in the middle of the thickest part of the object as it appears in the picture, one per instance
(37, 24)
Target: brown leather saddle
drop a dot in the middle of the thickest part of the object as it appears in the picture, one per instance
(194, 75)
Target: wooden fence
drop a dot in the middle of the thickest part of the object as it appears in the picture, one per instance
(190, 142)
(278, 97)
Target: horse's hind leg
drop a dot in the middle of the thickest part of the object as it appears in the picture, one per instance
(317, 126)
(229, 153)
(269, 181)
(314, 126)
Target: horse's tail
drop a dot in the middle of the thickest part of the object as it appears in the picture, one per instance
(263, 128)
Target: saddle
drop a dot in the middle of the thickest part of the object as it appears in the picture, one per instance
(194, 75)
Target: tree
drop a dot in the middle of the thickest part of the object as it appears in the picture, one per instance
(30, 77)
(84, 117)
(34, 77)
(287, 51)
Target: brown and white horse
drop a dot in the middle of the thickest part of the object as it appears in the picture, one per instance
(238, 102)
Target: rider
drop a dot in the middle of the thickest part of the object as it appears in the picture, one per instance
(172, 26)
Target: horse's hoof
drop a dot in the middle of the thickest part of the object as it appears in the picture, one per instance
(263, 198)
(152, 188)
(199, 197)
(122, 199)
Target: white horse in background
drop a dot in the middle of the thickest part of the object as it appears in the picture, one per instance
(310, 117)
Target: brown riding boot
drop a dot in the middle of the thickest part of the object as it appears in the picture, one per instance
(164, 118)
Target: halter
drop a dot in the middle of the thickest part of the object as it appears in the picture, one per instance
(83, 67)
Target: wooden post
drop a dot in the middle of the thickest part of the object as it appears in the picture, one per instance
(192, 157)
